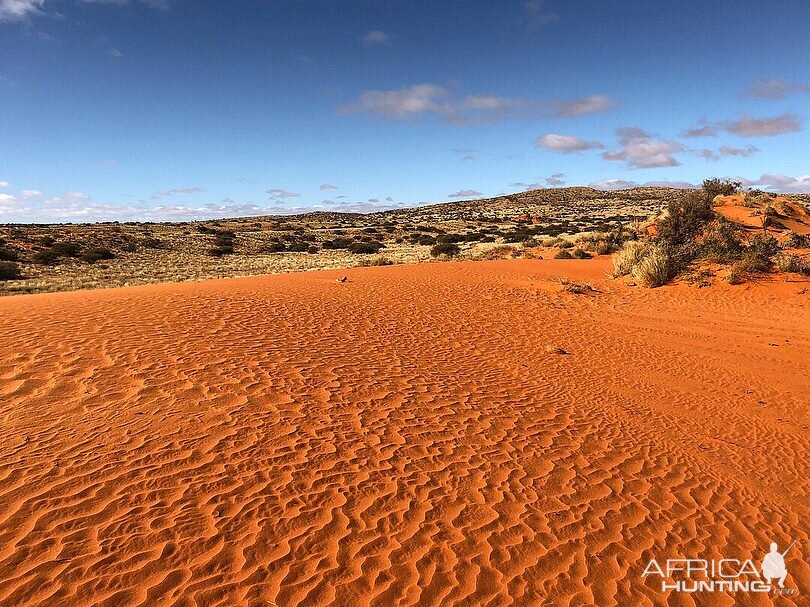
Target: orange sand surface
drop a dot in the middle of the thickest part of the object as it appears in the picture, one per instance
(405, 438)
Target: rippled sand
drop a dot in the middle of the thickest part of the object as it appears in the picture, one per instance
(405, 438)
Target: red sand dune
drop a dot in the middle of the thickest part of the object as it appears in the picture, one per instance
(404, 438)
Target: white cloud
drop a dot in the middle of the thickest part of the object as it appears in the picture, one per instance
(465, 194)
(30, 193)
(555, 179)
(765, 127)
(19, 10)
(328, 186)
(402, 103)
(643, 151)
(566, 144)
(781, 183)
(376, 38)
(774, 88)
(422, 99)
(4, 184)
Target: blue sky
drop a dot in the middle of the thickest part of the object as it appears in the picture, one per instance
(178, 109)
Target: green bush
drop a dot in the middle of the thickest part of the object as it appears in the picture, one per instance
(365, 248)
(720, 187)
(684, 219)
(45, 258)
(9, 270)
(8, 254)
(447, 249)
(796, 241)
(721, 243)
(97, 254)
(66, 249)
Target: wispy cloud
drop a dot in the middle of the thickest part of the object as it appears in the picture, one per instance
(641, 150)
(376, 38)
(703, 129)
(748, 126)
(537, 14)
(4, 184)
(774, 89)
(425, 99)
(174, 191)
(623, 184)
(555, 179)
(566, 144)
(279, 194)
(579, 107)
(328, 186)
(465, 194)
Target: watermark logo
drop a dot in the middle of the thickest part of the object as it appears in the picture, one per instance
(725, 575)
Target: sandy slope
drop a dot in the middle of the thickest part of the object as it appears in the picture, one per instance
(401, 439)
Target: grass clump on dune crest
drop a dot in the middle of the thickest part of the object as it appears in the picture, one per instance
(688, 231)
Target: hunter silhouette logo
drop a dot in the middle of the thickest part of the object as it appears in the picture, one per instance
(724, 575)
(773, 565)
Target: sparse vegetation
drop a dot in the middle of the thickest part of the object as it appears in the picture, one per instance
(568, 219)
(689, 232)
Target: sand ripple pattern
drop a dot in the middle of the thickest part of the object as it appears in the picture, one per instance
(401, 439)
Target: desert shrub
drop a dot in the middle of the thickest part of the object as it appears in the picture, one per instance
(275, 247)
(563, 254)
(790, 263)
(760, 252)
(45, 258)
(220, 251)
(379, 260)
(312, 249)
(629, 256)
(447, 249)
(46, 241)
(684, 219)
(9, 270)
(97, 254)
(578, 253)
(152, 243)
(655, 268)
(796, 241)
(605, 247)
(337, 243)
(129, 247)
(499, 252)
(66, 249)
(298, 247)
(736, 273)
(721, 242)
(365, 248)
(8, 254)
(719, 187)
